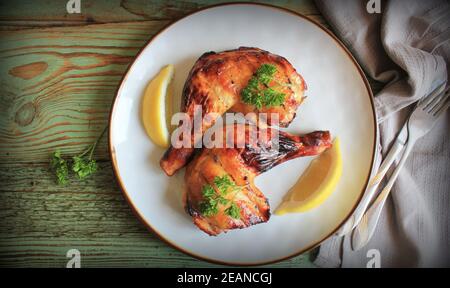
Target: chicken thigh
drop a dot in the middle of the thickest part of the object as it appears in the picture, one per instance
(216, 82)
(220, 191)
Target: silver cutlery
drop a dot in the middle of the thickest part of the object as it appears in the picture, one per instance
(420, 122)
(375, 181)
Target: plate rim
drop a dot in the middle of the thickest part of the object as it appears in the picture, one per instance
(149, 227)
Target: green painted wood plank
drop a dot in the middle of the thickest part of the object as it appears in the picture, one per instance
(57, 84)
(108, 252)
(51, 13)
(41, 221)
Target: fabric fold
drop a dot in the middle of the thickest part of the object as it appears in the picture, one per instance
(407, 48)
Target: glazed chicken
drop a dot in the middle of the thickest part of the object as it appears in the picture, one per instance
(220, 193)
(215, 83)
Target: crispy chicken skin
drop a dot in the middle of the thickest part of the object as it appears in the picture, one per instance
(216, 81)
(242, 165)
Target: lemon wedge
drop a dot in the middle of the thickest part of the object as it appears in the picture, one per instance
(157, 107)
(316, 184)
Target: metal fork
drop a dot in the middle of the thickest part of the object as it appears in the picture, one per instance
(420, 122)
(375, 181)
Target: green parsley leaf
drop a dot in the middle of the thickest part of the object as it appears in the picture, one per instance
(83, 167)
(233, 211)
(83, 164)
(272, 97)
(265, 73)
(258, 93)
(251, 94)
(209, 206)
(223, 201)
(60, 167)
(211, 199)
(224, 184)
(208, 191)
(253, 83)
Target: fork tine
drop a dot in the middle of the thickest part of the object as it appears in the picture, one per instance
(443, 108)
(431, 104)
(439, 104)
(430, 97)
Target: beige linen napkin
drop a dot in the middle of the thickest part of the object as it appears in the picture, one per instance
(406, 47)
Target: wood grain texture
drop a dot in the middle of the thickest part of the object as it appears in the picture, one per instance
(53, 13)
(42, 221)
(57, 85)
(56, 88)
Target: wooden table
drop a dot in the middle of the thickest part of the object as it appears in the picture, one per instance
(58, 76)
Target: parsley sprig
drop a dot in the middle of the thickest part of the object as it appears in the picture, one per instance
(209, 206)
(60, 167)
(258, 93)
(82, 165)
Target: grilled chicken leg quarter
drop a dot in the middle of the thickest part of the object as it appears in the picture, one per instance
(216, 81)
(220, 194)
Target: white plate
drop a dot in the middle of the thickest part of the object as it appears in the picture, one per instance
(339, 100)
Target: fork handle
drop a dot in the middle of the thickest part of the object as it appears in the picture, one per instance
(374, 183)
(365, 229)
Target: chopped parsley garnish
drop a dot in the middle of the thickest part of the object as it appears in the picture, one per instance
(209, 206)
(225, 184)
(234, 211)
(258, 93)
